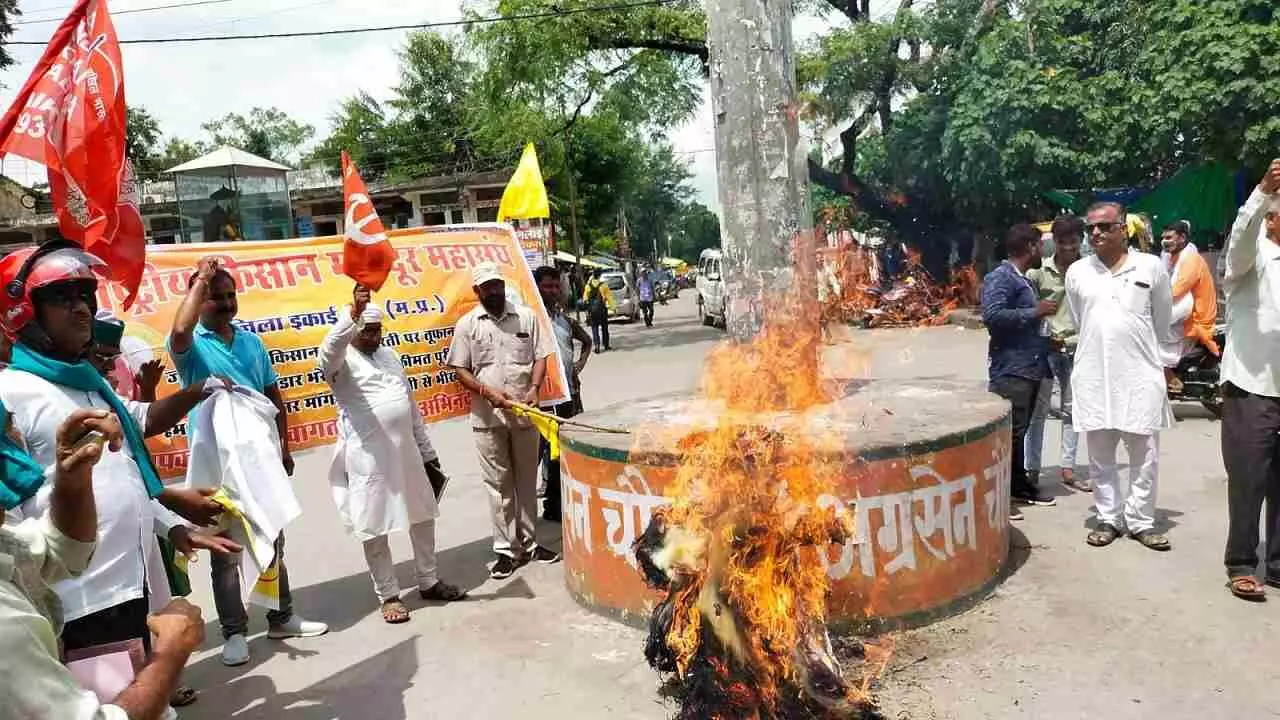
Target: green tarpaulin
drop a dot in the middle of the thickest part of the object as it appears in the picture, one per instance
(1203, 195)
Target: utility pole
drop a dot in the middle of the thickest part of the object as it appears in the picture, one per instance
(761, 162)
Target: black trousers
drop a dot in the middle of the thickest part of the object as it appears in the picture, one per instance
(127, 621)
(1251, 453)
(646, 308)
(551, 468)
(600, 331)
(1021, 394)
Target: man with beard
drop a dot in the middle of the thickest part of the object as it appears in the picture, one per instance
(1122, 303)
(380, 465)
(205, 343)
(1017, 350)
(500, 355)
(48, 305)
(567, 330)
(1050, 281)
(1195, 300)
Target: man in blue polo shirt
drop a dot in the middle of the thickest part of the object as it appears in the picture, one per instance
(205, 343)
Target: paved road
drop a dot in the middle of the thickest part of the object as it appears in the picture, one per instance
(1075, 632)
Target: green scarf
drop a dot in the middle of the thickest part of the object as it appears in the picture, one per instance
(20, 475)
(84, 377)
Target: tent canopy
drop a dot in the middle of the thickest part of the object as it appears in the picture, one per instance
(228, 157)
(570, 258)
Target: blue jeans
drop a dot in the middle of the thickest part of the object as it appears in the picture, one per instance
(1059, 368)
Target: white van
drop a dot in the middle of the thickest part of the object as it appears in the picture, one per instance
(710, 286)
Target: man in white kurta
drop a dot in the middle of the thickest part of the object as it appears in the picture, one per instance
(379, 475)
(1122, 303)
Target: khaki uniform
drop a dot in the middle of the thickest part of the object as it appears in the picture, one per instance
(500, 353)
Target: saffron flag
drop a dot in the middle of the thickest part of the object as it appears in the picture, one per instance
(367, 255)
(70, 117)
(526, 195)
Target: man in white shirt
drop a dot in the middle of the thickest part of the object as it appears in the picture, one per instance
(1251, 395)
(379, 472)
(48, 305)
(567, 330)
(1121, 302)
(41, 551)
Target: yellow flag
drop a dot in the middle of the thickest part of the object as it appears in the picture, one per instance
(526, 195)
(547, 425)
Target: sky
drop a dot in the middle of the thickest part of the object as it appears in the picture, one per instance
(185, 85)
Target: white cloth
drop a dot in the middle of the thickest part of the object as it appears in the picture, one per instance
(1117, 382)
(382, 567)
(1251, 279)
(127, 564)
(33, 683)
(377, 477)
(1131, 508)
(237, 449)
(371, 316)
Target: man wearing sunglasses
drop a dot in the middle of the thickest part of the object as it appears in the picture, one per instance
(1122, 303)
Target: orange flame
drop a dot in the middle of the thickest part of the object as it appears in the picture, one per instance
(745, 527)
(854, 295)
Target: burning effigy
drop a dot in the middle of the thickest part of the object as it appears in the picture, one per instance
(741, 628)
(859, 291)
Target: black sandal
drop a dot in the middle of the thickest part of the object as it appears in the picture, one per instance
(442, 592)
(1104, 535)
(183, 697)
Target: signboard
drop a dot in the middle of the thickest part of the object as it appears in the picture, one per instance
(536, 242)
(291, 292)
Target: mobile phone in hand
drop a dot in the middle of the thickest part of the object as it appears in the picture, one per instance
(93, 436)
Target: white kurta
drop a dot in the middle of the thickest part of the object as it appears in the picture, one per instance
(127, 563)
(378, 480)
(1117, 382)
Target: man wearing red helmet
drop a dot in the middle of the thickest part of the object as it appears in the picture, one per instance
(48, 300)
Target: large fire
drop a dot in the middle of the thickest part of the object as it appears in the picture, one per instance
(742, 627)
(855, 291)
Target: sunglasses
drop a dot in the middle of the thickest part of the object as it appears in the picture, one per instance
(67, 294)
(1103, 227)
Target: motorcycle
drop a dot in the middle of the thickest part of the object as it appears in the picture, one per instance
(1200, 373)
(665, 290)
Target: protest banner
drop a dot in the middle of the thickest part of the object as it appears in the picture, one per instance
(291, 292)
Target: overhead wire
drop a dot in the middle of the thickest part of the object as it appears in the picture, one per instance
(467, 22)
(114, 13)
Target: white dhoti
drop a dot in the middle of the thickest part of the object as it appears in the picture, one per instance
(1127, 506)
(1173, 350)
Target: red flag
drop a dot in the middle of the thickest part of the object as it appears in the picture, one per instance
(367, 255)
(70, 116)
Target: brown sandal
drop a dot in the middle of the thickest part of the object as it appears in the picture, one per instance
(395, 612)
(183, 697)
(1247, 587)
(1103, 536)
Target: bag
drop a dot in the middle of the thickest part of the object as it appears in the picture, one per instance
(595, 302)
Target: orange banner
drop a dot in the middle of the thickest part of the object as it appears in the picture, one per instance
(290, 293)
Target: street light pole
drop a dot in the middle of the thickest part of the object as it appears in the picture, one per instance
(761, 162)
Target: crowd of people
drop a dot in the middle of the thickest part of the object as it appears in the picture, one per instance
(92, 543)
(1109, 327)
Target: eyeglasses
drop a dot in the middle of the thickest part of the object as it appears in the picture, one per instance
(66, 294)
(105, 356)
(1102, 227)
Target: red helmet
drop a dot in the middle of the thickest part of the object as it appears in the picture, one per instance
(22, 272)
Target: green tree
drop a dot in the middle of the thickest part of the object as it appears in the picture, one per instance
(177, 151)
(696, 229)
(142, 136)
(360, 127)
(267, 132)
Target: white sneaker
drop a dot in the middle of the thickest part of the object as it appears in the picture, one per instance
(235, 651)
(297, 627)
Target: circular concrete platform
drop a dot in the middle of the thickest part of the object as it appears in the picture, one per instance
(925, 474)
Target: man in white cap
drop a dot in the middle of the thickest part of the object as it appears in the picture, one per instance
(379, 472)
(500, 354)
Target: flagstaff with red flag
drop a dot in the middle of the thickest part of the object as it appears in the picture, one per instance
(70, 117)
(367, 255)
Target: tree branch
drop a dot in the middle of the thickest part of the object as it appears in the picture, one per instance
(678, 46)
(589, 96)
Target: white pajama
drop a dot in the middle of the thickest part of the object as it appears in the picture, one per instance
(382, 567)
(1127, 506)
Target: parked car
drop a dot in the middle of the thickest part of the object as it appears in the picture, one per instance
(710, 286)
(626, 298)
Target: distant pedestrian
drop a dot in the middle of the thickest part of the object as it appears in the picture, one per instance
(644, 285)
(1017, 350)
(500, 355)
(567, 330)
(598, 299)
(1251, 373)
(381, 462)
(1050, 283)
(1122, 303)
